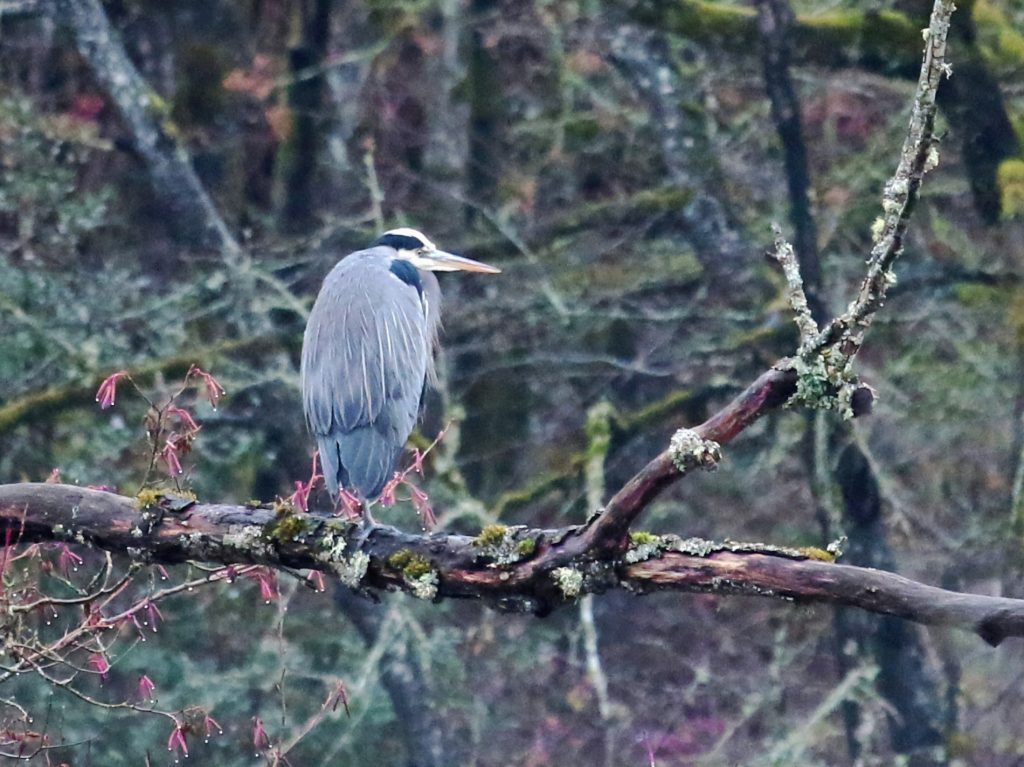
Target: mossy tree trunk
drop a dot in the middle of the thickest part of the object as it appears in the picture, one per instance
(483, 90)
(905, 678)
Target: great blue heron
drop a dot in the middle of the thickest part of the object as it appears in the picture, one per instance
(366, 356)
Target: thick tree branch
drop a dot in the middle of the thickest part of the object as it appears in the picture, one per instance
(771, 390)
(497, 567)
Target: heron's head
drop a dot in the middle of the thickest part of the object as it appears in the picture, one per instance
(414, 247)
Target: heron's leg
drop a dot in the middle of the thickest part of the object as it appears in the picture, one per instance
(367, 525)
(351, 505)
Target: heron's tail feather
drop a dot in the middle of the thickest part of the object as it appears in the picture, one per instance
(330, 462)
(362, 460)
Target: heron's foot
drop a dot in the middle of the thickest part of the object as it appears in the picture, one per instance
(366, 527)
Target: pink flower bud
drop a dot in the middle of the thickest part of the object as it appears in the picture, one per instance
(214, 391)
(170, 456)
(350, 505)
(211, 725)
(185, 417)
(108, 389)
(146, 688)
(260, 739)
(153, 615)
(421, 502)
(98, 662)
(387, 495)
(317, 579)
(177, 740)
(68, 559)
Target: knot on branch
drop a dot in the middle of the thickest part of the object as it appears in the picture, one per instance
(689, 450)
(825, 381)
(824, 361)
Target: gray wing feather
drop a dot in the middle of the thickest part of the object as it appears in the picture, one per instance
(365, 356)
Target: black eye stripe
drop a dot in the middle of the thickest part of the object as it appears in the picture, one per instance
(407, 273)
(400, 242)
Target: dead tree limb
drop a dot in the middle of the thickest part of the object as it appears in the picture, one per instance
(514, 568)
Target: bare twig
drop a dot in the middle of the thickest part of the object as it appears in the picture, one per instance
(919, 155)
(786, 256)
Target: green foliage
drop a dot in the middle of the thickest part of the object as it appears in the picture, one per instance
(642, 537)
(1001, 43)
(288, 526)
(1011, 186)
(40, 180)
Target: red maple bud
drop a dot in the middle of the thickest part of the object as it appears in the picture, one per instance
(214, 391)
(349, 504)
(146, 688)
(54, 478)
(211, 725)
(108, 389)
(67, 558)
(300, 498)
(267, 590)
(417, 461)
(177, 740)
(135, 622)
(98, 662)
(387, 495)
(421, 501)
(267, 579)
(340, 695)
(163, 572)
(260, 739)
(317, 579)
(153, 615)
(170, 456)
(184, 417)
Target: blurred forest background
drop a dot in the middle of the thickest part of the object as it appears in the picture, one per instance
(176, 178)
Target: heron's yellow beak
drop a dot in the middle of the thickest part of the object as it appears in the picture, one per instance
(440, 261)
